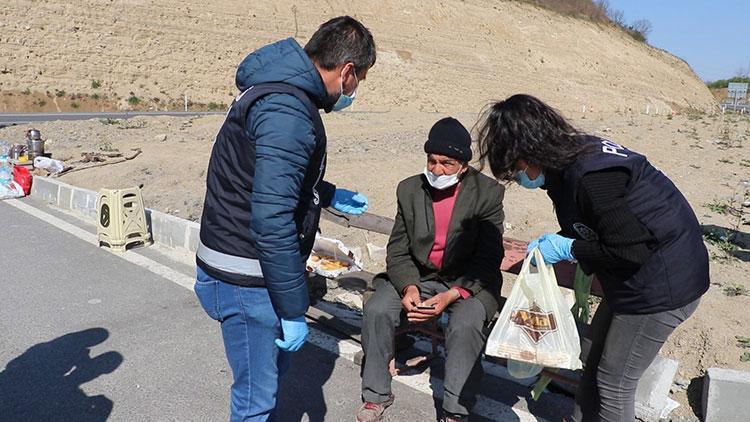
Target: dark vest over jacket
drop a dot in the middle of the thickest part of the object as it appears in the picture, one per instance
(677, 271)
(227, 211)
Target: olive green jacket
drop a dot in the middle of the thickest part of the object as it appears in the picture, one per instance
(474, 247)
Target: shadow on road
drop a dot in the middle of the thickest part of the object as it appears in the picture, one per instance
(301, 395)
(44, 383)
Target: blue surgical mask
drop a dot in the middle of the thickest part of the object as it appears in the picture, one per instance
(344, 100)
(523, 179)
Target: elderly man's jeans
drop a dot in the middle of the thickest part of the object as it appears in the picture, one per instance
(249, 326)
(622, 348)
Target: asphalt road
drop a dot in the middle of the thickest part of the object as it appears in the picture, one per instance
(8, 119)
(86, 335)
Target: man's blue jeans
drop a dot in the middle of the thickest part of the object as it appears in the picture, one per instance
(249, 326)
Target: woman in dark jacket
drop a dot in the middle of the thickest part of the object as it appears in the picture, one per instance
(620, 218)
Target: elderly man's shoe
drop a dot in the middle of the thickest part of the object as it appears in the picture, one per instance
(373, 412)
(454, 418)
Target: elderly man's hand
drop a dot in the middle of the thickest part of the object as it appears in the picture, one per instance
(411, 298)
(439, 303)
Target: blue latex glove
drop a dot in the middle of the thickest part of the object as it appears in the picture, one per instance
(349, 202)
(295, 332)
(554, 248)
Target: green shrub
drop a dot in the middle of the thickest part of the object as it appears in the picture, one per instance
(96, 84)
(133, 100)
(735, 289)
(724, 83)
(212, 106)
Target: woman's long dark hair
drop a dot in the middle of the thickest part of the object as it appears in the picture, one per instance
(524, 127)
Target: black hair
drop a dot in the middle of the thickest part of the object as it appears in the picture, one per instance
(342, 40)
(524, 127)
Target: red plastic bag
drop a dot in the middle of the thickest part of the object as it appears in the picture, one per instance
(22, 176)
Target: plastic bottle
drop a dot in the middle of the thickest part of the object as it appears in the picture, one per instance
(6, 171)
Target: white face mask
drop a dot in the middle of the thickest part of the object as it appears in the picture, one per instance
(441, 182)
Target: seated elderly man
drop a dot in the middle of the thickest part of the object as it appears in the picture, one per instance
(443, 256)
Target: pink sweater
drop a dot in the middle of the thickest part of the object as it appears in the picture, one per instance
(442, 207)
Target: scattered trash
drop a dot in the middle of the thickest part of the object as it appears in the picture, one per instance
(377, 253)
(11, 190)
(22, 176)
(6, 170)
(99, 158)
(681, 383)
(52, 166)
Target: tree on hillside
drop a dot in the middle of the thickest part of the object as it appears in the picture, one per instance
(615, 15)
(643, 27)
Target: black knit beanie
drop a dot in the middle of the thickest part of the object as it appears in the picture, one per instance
(450, 138)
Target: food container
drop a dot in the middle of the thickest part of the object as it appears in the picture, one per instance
(330, 258)
(34, 143)
(35, 148)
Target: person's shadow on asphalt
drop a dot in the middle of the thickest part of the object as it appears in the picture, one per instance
(44, 383)
(301, 396)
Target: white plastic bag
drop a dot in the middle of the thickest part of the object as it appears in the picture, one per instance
(11, 190)
(536, 325)
(53, 166)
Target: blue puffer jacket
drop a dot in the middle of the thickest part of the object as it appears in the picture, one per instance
(268, 152)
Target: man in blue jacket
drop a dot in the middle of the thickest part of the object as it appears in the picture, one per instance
(264, 194)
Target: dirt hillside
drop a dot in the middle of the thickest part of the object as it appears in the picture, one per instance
(447, 56)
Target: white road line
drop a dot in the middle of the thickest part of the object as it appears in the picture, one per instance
(130, 256)
(347, 349)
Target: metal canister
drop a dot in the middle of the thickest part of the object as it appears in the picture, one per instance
(35, 143)
(16, 151)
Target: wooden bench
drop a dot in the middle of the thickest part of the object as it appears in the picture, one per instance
(515, 253)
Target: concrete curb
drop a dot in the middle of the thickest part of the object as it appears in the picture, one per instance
(166, 229)
(725, 394)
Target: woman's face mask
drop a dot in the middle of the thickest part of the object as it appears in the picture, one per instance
(523, 179)
(442, 182)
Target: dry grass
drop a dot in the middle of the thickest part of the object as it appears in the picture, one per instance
(597, 11)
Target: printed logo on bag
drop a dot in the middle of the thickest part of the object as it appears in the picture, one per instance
(585, 232)
(534, 322)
